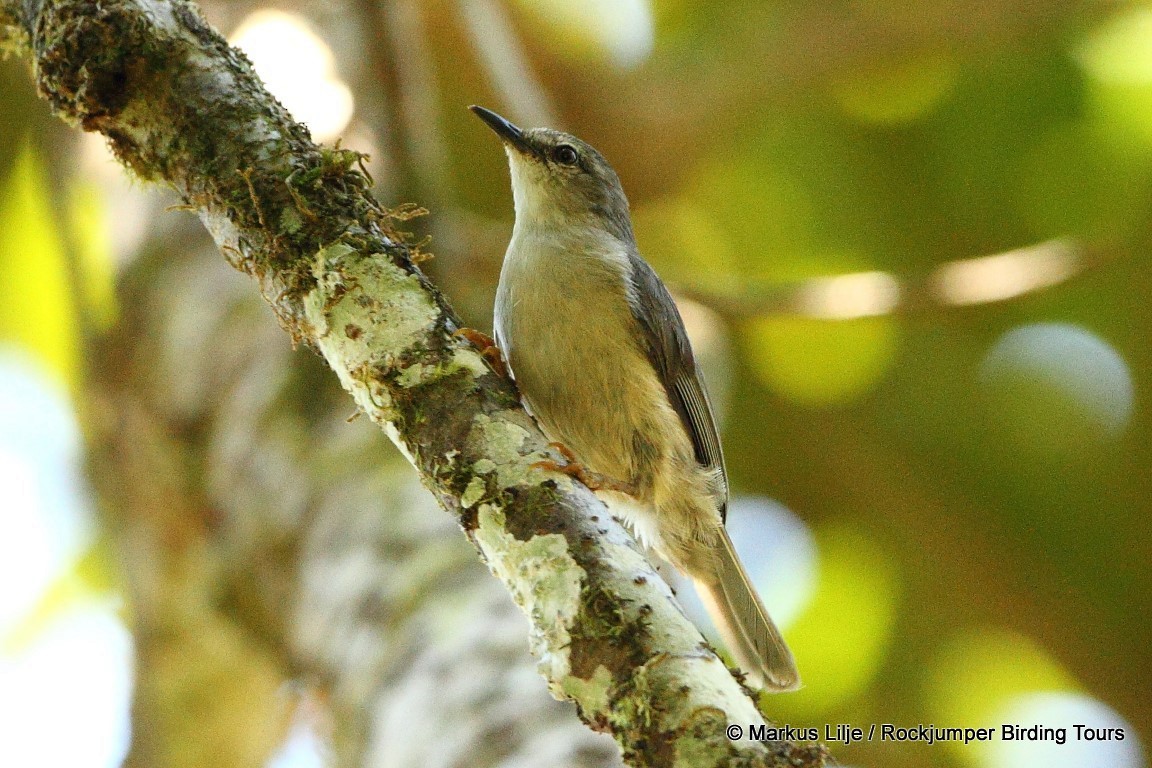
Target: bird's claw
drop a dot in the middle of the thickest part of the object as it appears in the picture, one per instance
(487, 346)
(573, 468)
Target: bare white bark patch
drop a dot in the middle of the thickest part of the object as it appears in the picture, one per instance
(464, 359)
(544, 581)
(503, 442)
(473, 493)
(365, 312)
(708, 682)
(666, 622)
(593, 694)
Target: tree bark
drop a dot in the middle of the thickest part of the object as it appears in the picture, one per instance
(179, 106)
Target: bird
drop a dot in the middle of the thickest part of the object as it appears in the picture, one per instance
(599, 353)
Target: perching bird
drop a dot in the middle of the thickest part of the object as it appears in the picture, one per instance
(599, 352)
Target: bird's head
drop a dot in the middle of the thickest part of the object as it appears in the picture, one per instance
(559, 181)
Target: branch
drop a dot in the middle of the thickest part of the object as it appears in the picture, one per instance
(295, 541)
(959, 283)
(179, 106)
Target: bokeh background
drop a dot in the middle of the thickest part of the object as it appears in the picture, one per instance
(910, 241)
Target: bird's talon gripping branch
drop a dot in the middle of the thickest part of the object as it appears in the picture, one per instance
(564, 451)
(573, 468)
(487, 346)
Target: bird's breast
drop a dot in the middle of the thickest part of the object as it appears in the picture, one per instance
(563, 321)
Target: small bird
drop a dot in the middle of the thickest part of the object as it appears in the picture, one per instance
(599, 352)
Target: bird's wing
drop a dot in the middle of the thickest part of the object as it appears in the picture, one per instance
(666, 344)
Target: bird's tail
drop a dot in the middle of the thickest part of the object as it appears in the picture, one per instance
(744, 623)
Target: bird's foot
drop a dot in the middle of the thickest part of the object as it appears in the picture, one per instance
(487, 346)
(573, 468)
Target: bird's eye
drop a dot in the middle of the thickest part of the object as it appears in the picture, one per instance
(565, 155)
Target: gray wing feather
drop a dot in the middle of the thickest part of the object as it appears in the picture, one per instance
(666, 344)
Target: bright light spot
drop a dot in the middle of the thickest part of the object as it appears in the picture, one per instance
(29, 558)
(41, 528)
(64, 694)
(1005, 275)
(65, 700)
(1118, 60)
(298, 68)
(843, 297)
(302, 749)
(97, 160)
(622, 28)
(1062, 712)
(1070, 360)
(1120, 51)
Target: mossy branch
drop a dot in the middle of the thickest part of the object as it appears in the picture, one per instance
(179, 106)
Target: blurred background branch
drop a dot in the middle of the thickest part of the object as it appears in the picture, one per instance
(960, 283)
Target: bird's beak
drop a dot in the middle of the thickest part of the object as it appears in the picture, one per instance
(508, 132)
